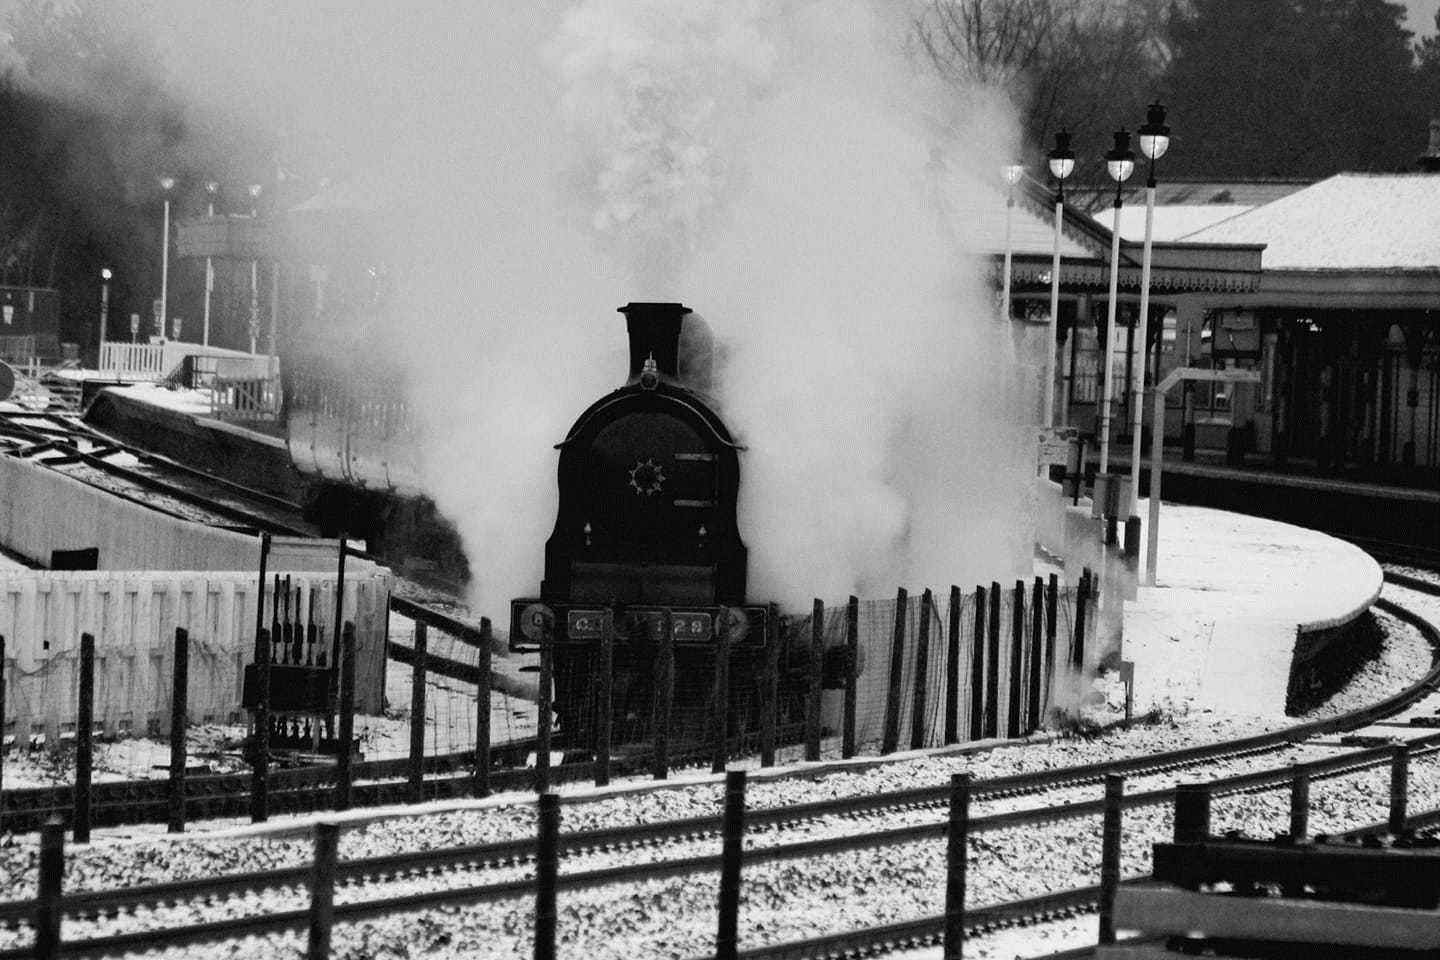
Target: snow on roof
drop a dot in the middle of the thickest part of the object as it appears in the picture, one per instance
(975, 210)
(1352, 221)
(1172, 221)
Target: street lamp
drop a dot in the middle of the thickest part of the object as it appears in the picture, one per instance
(105, 276)
(1154, 141)
(1013, 173)
(211, 189)
(1119, 163)
(166, 184)
(254, 191)
(1062, 164)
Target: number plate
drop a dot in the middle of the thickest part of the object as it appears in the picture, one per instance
(585, 624)
(683, 625)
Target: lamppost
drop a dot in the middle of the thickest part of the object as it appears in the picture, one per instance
(254, 192)
(1154, 141)
(211, 189)
(1062, 164)
(1119, 163)
(166, 184)
(1013, 173)
(105, 276)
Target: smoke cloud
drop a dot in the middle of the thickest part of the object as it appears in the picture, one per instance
(784, 167)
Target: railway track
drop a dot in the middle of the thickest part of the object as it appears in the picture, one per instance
(64, 443)
(498, 872)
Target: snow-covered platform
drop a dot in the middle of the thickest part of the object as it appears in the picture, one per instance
(1236, 600)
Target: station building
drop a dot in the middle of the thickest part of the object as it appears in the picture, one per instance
(1329, 290)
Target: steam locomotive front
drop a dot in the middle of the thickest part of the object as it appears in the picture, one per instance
(649, 477)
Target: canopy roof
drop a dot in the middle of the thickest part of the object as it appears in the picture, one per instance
(1352, 221)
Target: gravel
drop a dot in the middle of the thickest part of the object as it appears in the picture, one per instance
(782, 901)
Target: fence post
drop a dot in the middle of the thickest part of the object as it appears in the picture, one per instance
(770, 687)
(952, 669)
(2, 731)
(721, 697)
(922, 671)
(1077, 644)
(727, 936)
(1192, 812)
(1037, 654)
(1299, 802)
(957, 865)
(339, 599)
(482, 713)
(84, 738)
(1016, 709)
(322, 890)
(1399, 787)
(977, 669)
(277, 634)
(346, 738)
(417, 714)
(544, 707)
(852, 660)
(1110, 855)
(48, 908)
(992, 654)
(606, 695)
(260, 739)
(664, 698)
(179, 708)
(891, 741)
(547, 871)
(1052, 622)
(814, 664)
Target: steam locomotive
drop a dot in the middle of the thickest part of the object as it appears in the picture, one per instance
(646, 531)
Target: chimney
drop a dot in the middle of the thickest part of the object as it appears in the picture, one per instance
(1429, 161)
(654, 330)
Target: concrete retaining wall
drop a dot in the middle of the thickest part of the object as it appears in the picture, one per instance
(133, 617)
(42, 511)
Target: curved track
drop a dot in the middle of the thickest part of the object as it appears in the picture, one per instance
(62, 442)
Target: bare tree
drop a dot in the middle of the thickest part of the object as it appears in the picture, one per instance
(1089, 65)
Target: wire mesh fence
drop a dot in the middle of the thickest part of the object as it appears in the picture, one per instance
(871, 676)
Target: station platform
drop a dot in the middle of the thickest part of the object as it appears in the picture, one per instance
(178, 424)
(1237, 600)
(1387, 518)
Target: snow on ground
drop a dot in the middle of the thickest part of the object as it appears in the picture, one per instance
(1218, 628)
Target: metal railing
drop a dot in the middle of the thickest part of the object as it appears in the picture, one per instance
(245, 398)
(132, 361)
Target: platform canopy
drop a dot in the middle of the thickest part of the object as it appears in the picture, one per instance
(1357, 240)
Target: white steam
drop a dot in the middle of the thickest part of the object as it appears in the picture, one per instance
(778, 165)
(781, 167)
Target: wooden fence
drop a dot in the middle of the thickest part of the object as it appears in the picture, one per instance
(1192, 825)
(133, 361)
(133, 616)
